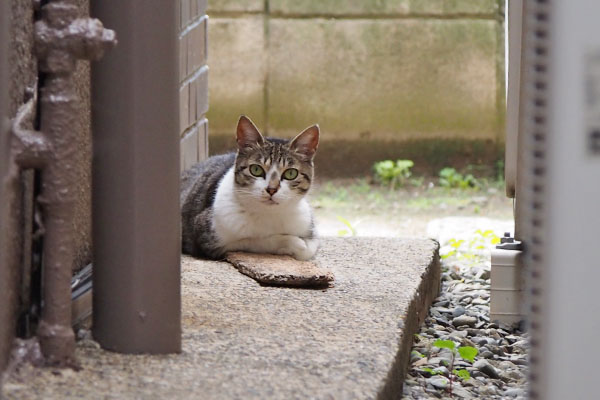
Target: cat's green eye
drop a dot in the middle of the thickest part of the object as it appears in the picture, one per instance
(290, 174)
(257, 170)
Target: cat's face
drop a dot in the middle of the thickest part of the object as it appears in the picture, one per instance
(273, 172)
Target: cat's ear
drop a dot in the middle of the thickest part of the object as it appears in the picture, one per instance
(247, 134)
(306, 142)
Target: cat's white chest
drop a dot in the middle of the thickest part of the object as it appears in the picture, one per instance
(232, 221)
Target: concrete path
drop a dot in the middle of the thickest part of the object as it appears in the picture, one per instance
(242, 340)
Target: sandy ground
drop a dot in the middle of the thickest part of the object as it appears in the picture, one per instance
(357, 207)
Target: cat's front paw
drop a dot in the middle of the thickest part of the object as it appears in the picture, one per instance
(301, 249)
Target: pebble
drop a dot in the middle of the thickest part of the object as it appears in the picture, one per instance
(438, 382)
(464, 320)
(514, 392)
(458, 311)
(485, 367)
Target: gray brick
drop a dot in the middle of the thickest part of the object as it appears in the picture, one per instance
(189, 149)
(184, 104)
(198, 42)
(215, 6)
(202, 139)
(201, 94)
(183, 56)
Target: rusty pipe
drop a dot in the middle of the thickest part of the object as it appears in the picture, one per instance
(61, 38)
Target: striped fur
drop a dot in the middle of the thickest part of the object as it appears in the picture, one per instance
(227, 207)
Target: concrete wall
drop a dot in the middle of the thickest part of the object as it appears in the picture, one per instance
(399, 75)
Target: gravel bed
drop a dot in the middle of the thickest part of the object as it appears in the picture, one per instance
(461, 314)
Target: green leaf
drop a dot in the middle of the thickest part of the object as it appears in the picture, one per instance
(456, 243)
(444, 344)
(462, 374)
(348, 224)
(416, 353)
(449, 254)
(467, 353)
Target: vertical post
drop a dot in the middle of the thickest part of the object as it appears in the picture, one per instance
(515, 28)
(135, 181)
(7, 292)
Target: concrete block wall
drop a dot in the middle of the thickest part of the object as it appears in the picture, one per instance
(419, 79)
(193, 77)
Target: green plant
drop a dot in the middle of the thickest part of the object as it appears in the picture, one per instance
(451, 178)
(470, 249)
(467, 353)
(500, 170)
(351, 230)
(393, 173)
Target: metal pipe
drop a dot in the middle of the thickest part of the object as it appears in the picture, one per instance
(135, 180)
(60, 40)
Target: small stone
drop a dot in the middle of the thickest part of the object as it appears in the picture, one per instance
(516, 375)
(461, 393)
(458, 334)
(520, 361)
(514, 392)
(465, 301)
(480, 341)
(441, 303)
(458, 311)
(521, 346)
(485, 367)
(505, 365)
(486, 354)
(512, 338)
(415, 355)
(489, 390)
(464, 320)
(438, 382)
(420, 362)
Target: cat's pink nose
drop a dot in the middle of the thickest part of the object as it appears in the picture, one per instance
(271, 190)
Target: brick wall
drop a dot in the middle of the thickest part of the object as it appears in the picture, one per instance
(193, 77)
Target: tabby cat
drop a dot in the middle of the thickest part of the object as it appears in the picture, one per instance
(252, 200)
